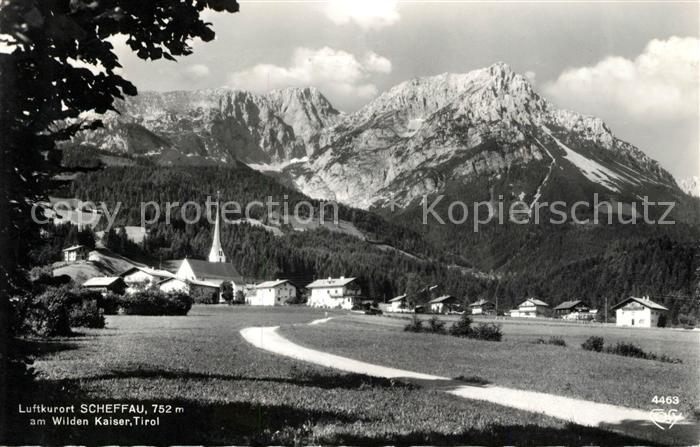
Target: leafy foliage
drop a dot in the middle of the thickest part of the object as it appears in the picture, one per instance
(86, 314)
(462, 327)
(155, 302)
(556, 341)
(593, 344)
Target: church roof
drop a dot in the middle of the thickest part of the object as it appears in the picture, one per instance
(218, 270)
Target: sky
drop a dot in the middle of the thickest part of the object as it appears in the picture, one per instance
(632, 63)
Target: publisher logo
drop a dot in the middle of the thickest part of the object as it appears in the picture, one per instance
(665, 419)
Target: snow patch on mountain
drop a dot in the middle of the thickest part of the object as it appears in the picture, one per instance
(277, 167)
(593, 170)
(691, 185)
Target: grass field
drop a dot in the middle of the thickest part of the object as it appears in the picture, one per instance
(234, 394)
(520, 363)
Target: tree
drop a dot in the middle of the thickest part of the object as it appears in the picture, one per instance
(227, 291)
(44, 89)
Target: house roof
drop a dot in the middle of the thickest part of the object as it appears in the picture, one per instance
(534, 301)
(148, 270)
(218, 270)
(101, 281)
(74, 247)
(330, 282)
(570, 304)
(643, 301)
(398, 298)
(271, 284)
(441, 299)
(480, 303)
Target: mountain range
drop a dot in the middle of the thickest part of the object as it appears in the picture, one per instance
(423, 136)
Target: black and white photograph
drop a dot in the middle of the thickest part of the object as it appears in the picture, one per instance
(350, 222)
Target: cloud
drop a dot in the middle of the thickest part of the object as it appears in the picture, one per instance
(660, 83)
(531, 76)
(368, 14)
(335, 72)
(198, 71)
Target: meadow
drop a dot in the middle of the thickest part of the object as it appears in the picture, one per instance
(519, 362)
(232, 393)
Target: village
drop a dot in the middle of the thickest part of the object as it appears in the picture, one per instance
(216, 281)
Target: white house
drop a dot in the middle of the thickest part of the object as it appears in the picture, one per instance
(210, 272)
(638, 312)
(209, 293)
(398, 304)
(140, 278)
(75, 253)
(482, 307)
(334, 293)
(530, 308)
(174, 285)
(272, 293)
(442, 304)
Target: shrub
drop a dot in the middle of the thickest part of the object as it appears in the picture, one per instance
(416, 325)
(156, 302)
(593, 344)
(204, 295)
(47, 314)
(227, 291)
(627, 350)
(462, 327)
(86, 314)
(435, 325)
(557, 341)
(686, 321)
(109, 303)
(487, 331)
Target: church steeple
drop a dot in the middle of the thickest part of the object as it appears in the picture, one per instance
(217, 253)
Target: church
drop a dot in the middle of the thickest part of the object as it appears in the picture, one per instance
(210, 273)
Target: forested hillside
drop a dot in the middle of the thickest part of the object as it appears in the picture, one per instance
(554, 263)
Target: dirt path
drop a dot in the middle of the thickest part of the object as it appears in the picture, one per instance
(628, 421)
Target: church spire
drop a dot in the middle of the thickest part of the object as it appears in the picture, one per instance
(217, 253)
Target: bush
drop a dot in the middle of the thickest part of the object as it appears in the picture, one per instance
(86, 314)
(557, 341)
(593, 344)
(156, 302)
(416, 325)
(687, 321)
(487, 331)
(109, 303)
(47, 314)
(203, 295)
(462, 327)
(627, 350)
(435, 325)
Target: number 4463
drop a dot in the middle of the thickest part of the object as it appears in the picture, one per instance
(665, 400)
